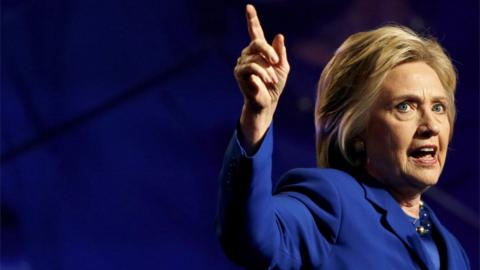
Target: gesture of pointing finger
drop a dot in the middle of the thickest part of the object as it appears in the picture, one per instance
(261, 73)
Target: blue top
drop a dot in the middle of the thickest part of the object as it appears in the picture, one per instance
(317, 219)
(429, 241)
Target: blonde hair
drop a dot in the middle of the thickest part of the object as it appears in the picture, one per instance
(351, 82)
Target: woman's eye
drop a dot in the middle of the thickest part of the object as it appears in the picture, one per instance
(403, 107)
(438, 108)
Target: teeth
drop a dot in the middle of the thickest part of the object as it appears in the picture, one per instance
(427, 149)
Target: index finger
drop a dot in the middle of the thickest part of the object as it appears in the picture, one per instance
(254, 28)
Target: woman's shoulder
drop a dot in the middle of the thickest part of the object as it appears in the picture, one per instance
(318, 179)
(327, 173)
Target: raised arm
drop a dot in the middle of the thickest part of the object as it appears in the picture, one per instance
(261, 73)
(256, 229)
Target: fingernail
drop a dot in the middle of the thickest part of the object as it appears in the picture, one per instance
(274, 59)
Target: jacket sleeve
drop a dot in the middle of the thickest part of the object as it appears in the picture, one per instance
(294, 228)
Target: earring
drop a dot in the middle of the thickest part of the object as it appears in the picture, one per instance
(359, 146)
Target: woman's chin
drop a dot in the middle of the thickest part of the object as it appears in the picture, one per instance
(423, 179)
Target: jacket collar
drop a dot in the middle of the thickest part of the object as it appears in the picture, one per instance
(396, 220)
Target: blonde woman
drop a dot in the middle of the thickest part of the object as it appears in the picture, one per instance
(384, 117)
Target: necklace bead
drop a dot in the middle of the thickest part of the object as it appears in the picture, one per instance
(423, 224)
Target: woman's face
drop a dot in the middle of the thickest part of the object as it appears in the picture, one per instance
(408, 133)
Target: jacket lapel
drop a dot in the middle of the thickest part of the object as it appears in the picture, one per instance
(396, 220)
(447, 242)
(405, 231)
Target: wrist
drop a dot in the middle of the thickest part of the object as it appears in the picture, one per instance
(254, 125)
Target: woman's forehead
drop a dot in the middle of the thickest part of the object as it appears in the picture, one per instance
(416, 80)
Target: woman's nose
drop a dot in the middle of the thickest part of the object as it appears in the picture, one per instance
(428, 126)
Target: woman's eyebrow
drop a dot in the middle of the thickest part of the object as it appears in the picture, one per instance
(419, 98)
(407, 97)
(440, 98)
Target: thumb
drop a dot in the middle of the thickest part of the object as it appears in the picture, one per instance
(278, 45)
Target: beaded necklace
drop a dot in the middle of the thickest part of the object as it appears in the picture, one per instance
(423, 224)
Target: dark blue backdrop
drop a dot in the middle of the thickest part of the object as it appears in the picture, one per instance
(115, 116)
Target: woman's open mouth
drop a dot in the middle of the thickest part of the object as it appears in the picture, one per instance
(424, 155)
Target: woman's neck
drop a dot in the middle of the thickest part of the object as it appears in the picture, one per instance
(408, 198)
(409, 204)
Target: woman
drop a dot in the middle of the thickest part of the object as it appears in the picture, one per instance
(384, 117)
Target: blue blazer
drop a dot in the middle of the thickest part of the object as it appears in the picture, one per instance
(317, 219)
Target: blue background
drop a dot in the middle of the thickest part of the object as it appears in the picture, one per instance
(115, 116)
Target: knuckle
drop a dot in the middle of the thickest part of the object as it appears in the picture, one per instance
(260, 60)
(242, 69)
(257, 43)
